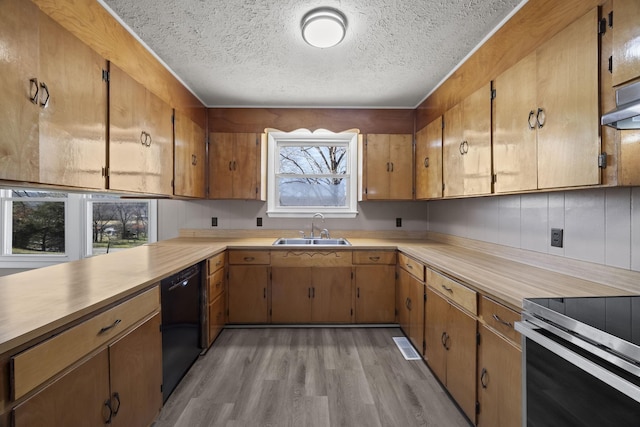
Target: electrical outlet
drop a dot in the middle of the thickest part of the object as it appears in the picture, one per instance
(214, 221)
(398, 222)
(258, 222)
(557, 237)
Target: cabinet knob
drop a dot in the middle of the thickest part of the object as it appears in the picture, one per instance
(532, 124)
(483, 378)
(426, 162)
(45, 103)
(541, 118)
(33, 83)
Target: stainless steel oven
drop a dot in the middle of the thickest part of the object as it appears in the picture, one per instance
(581, 362)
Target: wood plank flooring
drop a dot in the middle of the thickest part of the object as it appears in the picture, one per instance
(309, 377)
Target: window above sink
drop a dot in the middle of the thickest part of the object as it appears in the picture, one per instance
(311, 172)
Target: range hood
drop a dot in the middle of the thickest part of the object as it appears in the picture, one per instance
(627, 113)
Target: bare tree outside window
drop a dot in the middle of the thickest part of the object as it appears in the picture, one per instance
(312, 175)
(119, 225)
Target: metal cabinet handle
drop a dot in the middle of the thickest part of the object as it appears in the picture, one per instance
(148, 140)
(447, 289)
(465, 147)
(541, 118)
(194, 159)
(309, 293)
(443, 339)
(264, 293)
(313, 292)
(45, 103)
(234, 165)
(145, 139)
(387, 166)
(409, 266)
(111, 326)
(357, 292)
(446, 341)
(410, 304)
(231, 165)
(532, 125)
(391, 166)
(33, 83)
(374, 258)
(499, 320)
(426, 162)
(461, 149)
(249, 258)
(107, 404)
(483, 377)
(116, 409)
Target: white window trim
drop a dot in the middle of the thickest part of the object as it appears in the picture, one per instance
(78, 239)
(320, 136)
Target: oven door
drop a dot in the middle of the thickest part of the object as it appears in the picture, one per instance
(567, 385)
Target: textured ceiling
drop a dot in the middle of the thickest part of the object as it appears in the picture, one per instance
(249, 53)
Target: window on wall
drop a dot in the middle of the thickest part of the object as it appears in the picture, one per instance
(41, 228)
(37, 225)
(116, 224)
(312, 172)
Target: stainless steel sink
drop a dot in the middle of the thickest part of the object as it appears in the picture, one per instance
(311, 242)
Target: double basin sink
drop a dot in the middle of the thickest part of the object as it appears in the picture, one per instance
(311, 242)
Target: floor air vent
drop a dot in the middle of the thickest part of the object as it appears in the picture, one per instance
(406, 348)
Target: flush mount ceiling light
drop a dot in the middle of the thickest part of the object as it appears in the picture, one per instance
(324, 27)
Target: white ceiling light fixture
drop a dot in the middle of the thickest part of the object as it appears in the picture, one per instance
(324, 27)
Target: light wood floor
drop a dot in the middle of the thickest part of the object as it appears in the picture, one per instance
(309, 377)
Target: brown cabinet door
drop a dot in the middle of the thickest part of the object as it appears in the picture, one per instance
(567, 82)
(514, 136)
(378, 166)
(19, 155)
(476, 137)
(403, 290)
(626, 41)
(77, 398)
(73, 124)
(375, 294)
(190, 151)
(436, 334)
(401, 160)
(245, 166)
(428, 164)
(452, 152)
(141, 138)
(331, 295)
(248, 294)
(461, 359)
(291, 294)
(216, 317)
(136, 375)
(499, 381)
(416, 314)
(221, 151)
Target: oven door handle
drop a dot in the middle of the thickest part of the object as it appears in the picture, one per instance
(528, 330)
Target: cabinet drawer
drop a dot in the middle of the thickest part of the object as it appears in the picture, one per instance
(456, 292)
(500, 318)
(216, 317)
(374, 257)
(412, 266)
(39, 363)
(215, 284)
(311, 258)
(249, 257)
(216, 262)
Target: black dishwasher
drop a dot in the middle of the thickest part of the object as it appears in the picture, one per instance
(181, 326)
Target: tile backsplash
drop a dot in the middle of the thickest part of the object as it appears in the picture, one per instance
(600, 225)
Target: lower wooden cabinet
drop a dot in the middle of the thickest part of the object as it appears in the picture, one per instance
(120, 385)
(451, 349)
(411, 308)
(215, 302)
(499, 381)
(311, 294)
(247, 293)
(375, 293)
(216, 317)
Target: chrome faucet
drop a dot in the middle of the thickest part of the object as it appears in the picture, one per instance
(313, 225)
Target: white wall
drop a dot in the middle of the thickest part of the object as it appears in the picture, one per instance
(600, 225)
(237, 214)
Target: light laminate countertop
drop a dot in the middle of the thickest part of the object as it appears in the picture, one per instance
(37, 302)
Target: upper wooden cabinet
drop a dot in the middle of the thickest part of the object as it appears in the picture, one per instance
(467, 146)
(567, 87)
(428, 164)
(546, 114)
(626, 41)
(53, 107)
(190, 152)
(140, 138)
(388, 167)
(237, 166)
